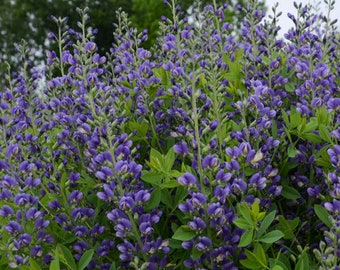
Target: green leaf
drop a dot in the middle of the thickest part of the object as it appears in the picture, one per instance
(141, 128)
(156, 154)
(290, 193)
(282, 261)
(290, 87)
(246, 238)
(34, 265)
(324, 133)
(288, 227)
(312, 137)
(277, 267)
(292, 151)
(242, 223)
(181, 193)
(164, 75)
(202, 81)
(303, 262)
(197, 253)
(55, 264)
(68, 257)
(113, 266)
(295, 118)
(155, 199)
(312, 124)
(266, 60)
(245, 212)
(176, 174)
(169, 160)
(252, 261)
(285, 118)
(153, 178)
(322, 214)
(167, 198)
(152, 91)
(184, 233)
(170, 184)
(267, 221)
(302, 126)
(260, 254)
(322, 116)
(156, 163)
(251, 264)
(86, 259)
(271, 237)
(255, 208)
(274, 128)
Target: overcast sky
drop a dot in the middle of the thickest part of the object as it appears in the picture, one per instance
(286, 6)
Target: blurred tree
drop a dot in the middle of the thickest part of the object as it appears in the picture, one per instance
(30, 20)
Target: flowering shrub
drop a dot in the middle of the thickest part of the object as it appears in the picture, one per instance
(214, 150)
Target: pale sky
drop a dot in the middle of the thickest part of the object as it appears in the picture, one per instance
(286, 6)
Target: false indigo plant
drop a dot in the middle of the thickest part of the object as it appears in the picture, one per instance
(216, 149)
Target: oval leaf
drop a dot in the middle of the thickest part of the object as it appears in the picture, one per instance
(271, 237)
(322, 214)
(183, 234)
(246, 238)
(266, 223)
(34, 265)
(85, 259)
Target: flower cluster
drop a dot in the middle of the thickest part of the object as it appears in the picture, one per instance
(201, 153)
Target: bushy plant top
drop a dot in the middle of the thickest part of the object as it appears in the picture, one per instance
(214, 150)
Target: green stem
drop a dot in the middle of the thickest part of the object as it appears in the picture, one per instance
(196, 128)
(60, 50)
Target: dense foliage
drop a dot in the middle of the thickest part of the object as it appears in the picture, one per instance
(216, 149)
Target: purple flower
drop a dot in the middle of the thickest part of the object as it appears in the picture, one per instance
(55, 205)
(107, 194)
(203, 243)
(6, 211)
(25, 239)
(13, 227)
(4, 165)
(30, 182)
(257, 181)
(197, 225)
(33, 213)
(210, 161)
(123, 227)
(81, 231)
(90, 46)
(41, 223)
(75, 196)
(181, 148)
(12, 150)
(126, 202)
(187, 179)
(333, 207)
(36, 251)
(215, 210)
